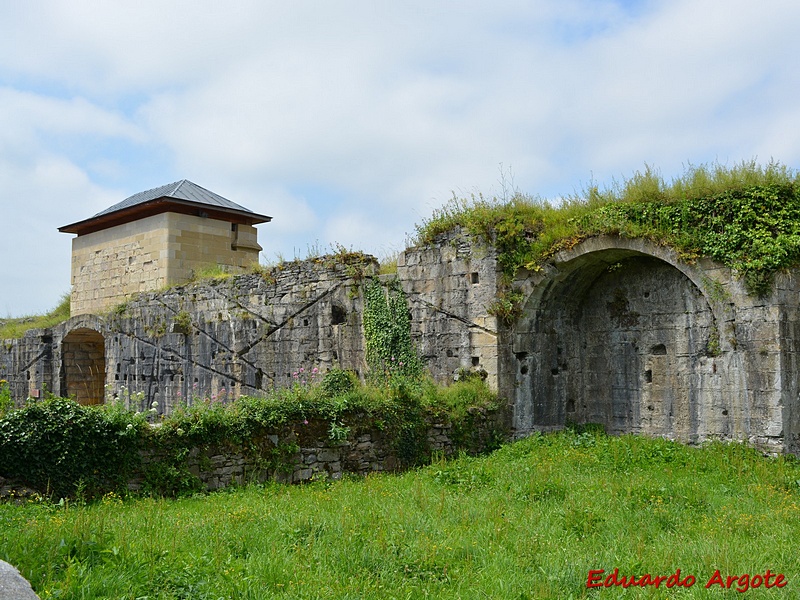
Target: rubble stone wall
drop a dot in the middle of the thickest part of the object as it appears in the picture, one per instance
(318, 457)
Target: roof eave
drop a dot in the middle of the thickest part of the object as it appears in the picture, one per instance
(162, 205)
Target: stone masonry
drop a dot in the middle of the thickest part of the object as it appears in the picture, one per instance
(618, 332)
(218, 340)
(368, 451)
(614, 331)
(152, 253)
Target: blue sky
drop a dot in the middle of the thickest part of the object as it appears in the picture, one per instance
(351, 121)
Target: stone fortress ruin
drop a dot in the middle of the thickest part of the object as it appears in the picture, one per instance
(614, 331)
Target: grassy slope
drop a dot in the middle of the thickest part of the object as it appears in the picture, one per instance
(529, 521)
(746, 216)
(16, 327)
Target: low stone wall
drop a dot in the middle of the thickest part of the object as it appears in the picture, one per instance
(293, 456)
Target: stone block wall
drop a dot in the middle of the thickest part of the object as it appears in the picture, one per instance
(613, 330)
(195, 243)
(623, 333)
(110, 265)
(242, 335)
(218, 339)
(368, 450)
(450, 286)
(116, 262)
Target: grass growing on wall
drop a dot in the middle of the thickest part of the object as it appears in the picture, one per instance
(11, 328)
(746, 217)
(528, 522)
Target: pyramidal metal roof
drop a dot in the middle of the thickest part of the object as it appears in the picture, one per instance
(181, 196)
(180, 190)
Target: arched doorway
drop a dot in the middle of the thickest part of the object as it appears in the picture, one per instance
(620, 338)
(83, 366)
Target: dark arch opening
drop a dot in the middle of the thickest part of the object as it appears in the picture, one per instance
(618, 338)
(83, 366)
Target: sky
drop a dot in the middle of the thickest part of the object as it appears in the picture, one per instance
(349, 122)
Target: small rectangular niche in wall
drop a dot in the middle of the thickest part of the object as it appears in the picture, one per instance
(234, 236)
(474, 278)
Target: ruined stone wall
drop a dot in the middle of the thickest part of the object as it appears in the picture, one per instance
(622, 333)
(613, 331)
(786, 345)
(218, 340)
(317, 456)
(239, 336)
(28, 364)
(450, 286)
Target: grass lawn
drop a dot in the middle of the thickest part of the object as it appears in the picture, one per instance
(529, 521)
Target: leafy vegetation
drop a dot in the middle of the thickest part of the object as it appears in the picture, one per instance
(746, 217)
(16, 327)
(529, 521)
(63, 448)
(6, 401)
(60, 447)
(387, 332)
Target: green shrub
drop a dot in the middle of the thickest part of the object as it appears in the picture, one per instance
(63, 448)
(59, 446)
(337, 382)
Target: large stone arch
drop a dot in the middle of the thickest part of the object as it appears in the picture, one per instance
(83, 361)
(619, 332)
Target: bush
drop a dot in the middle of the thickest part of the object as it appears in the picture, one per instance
(337, 382)
(61, 447)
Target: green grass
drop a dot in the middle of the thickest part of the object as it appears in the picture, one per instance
(746, 217)
(212, 272)
(529, 521)
(388, 264)
(16, 327)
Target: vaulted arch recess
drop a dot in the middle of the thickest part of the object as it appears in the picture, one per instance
(620, 338)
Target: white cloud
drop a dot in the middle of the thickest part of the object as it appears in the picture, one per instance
(37, 199)
(351, 121)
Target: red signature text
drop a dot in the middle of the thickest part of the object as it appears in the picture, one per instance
(741, 583)
(596, 579)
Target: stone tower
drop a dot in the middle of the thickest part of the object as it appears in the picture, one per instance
(154, 239)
